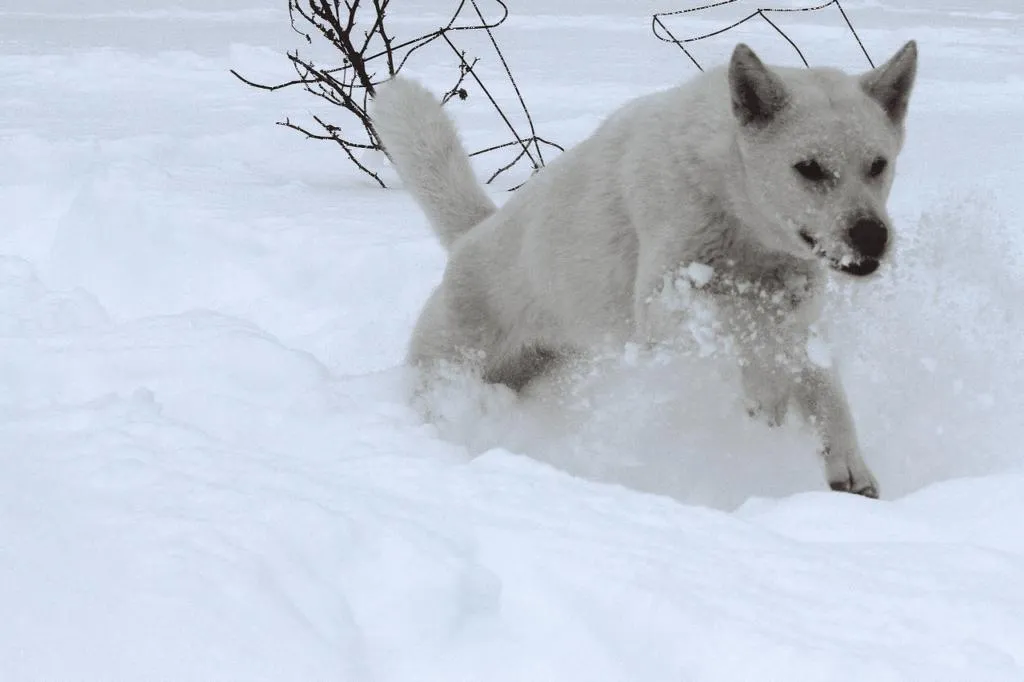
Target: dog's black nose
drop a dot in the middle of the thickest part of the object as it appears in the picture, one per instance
(869, 236)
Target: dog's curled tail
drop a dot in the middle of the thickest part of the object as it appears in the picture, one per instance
(425, 149)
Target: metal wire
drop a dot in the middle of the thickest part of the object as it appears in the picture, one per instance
(662, 32)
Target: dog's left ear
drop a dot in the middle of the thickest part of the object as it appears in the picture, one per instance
(891, 83)
(758, 94)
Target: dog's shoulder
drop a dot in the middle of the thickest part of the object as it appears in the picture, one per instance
(682, 132)
(704, 96)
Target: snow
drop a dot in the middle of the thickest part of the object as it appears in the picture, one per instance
(700, 274)
(209, 468)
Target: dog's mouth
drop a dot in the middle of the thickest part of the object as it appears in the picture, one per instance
(858, 268)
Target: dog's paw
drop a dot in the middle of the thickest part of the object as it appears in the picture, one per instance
(850, 475)
(772, 413)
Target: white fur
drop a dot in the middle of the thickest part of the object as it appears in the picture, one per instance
(586, 251)
(430, 158)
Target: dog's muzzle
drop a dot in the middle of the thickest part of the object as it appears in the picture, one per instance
(871, 246)
(861, 268)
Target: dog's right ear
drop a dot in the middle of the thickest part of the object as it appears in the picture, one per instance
(758, 94)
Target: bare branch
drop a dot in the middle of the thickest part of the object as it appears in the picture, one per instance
(351, 85)
(457, 90)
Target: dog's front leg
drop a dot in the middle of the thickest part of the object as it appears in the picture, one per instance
(659, 306)
(820, 396)
(766, 391)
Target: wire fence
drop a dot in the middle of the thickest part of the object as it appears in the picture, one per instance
(364, 52)
(660, 26)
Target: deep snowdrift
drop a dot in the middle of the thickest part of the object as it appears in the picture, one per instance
(208, 469)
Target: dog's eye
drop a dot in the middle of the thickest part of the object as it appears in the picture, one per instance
(878, 167)
(812, 170)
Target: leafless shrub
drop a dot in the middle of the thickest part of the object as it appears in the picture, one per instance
(369, 52)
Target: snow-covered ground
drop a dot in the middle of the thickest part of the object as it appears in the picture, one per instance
(208, 469)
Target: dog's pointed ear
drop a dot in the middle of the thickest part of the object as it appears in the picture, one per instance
(758, 94)
(891, 83)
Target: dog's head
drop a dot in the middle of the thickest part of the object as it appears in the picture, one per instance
(818, 149)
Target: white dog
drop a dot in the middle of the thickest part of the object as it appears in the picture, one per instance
(760, 178)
